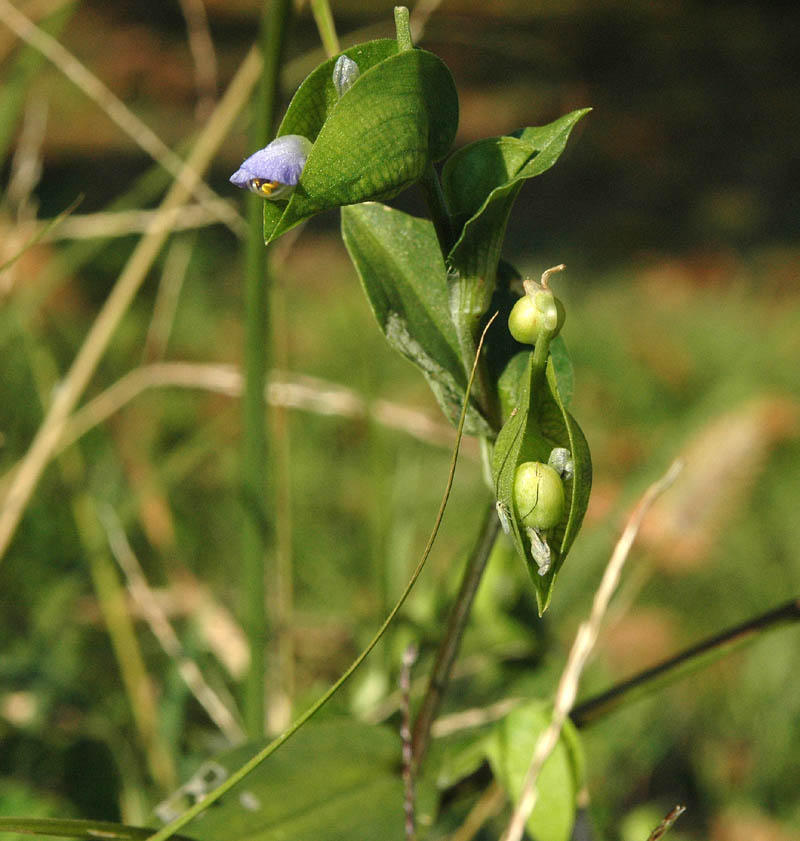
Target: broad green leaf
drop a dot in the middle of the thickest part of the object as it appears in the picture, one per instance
(399, 115)
(508, 383)
(474, 171)
(483, 180)
(538, 423)
(339, 780)
(562, 366)
(398, 260)
(460, 757)
(510, 751)
(316, 98)
(314, 101)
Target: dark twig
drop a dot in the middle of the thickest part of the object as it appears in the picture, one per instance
(409, 658)
(667, 823)
(686, 661)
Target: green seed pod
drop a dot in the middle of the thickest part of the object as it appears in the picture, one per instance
(533, 313)
(538, 495)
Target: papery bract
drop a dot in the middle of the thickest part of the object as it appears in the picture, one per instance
(345, 73)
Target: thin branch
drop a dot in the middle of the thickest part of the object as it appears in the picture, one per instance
(163, 631)
(281, 653)
(681, 664)
(67, 395)
(409, 658)
(579, 654)
(666, 824)
(117, 111)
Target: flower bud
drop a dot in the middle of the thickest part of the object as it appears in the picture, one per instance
(345, 72)
(273, 171)
(533, 313)
(538, 495)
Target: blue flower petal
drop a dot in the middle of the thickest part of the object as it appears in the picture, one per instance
(274, 170)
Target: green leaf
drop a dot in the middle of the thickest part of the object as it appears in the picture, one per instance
(510, 751)
(562, 366)
(338, 780)
(539, 423)
(398, 260)
(400, 114)
(510, 378)
(481, 182)
(474, 171)
(73, 828)
(460, 757)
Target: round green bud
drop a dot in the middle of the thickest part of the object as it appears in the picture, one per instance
(538, 495)
(533, 313)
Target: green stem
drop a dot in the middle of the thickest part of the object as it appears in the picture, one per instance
(171, 828)
(667, 672)
(323, 18)
(403, 27)
(467, 328)
(440, 214)
(539, 360)
(456, 623)
(254, 463)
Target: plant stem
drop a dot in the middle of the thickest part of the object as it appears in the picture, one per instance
(321, 9)
(402, 26)
(467, 329)
(440, 214)
(254, 464)
(456, 623)
(701, 654)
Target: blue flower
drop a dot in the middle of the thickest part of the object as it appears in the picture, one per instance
(273, 171)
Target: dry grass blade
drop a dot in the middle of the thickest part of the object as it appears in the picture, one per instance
(308, 394)
(67, 395)
(53, 223)
(203, 53)
(162, 629)
(579, 654)
(122, 223)
(117, 111)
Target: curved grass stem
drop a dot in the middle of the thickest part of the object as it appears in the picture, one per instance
(174, 826)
